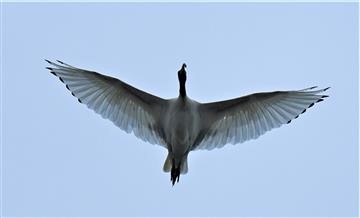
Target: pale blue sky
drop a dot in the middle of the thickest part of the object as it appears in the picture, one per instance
(61, 159)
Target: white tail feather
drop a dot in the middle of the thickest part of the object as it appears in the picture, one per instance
(168, 164)
(184, 166)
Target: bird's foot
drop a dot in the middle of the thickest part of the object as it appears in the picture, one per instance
(175, 175)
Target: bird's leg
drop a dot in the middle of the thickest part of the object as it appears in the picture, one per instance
(175, 172)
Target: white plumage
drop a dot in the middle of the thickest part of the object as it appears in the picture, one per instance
(181, 124)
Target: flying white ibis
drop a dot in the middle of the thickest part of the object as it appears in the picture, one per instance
(181, 124)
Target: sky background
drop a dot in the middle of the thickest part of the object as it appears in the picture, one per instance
(61, 159)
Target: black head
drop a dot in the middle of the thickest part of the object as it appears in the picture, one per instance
(182, 80)
(182, 74)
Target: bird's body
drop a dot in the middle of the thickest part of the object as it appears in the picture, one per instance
(182, 120)
(181, 124)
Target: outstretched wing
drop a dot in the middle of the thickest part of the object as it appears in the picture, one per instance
(127, 107)
(237, 120)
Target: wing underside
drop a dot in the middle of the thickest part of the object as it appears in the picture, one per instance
(131, 109)
(241, 119)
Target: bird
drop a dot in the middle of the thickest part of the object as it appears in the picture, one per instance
(182, 125)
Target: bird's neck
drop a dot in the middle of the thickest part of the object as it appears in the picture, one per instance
(182, 90)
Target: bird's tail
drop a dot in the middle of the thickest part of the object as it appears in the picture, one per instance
(168, 165)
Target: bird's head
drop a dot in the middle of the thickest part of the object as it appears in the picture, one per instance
(182, 80)
(182, 74)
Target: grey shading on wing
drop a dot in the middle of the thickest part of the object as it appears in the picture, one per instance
(241, 119)
(127, 107)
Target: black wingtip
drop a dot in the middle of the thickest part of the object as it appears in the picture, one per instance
(79, 100)
(48, 61)
(49, 68)
(60, 62)
(312, 104)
